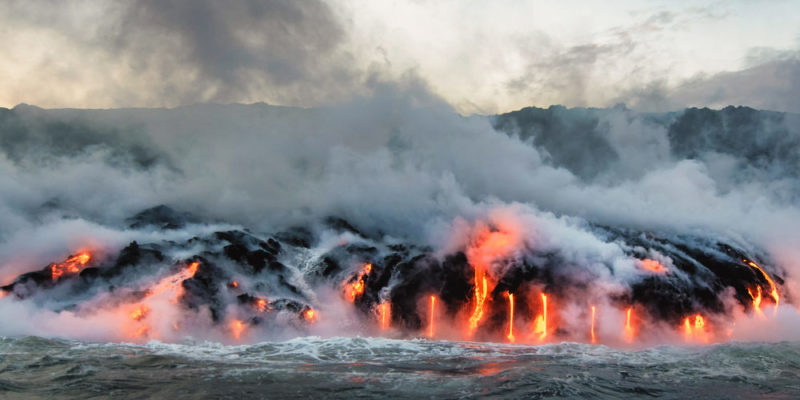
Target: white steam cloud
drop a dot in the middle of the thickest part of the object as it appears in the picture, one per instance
(400, 163)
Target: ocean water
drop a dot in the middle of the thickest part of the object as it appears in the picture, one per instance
(313, 367)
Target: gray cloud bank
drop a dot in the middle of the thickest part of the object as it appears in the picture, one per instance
(172, 53)
(184, 52)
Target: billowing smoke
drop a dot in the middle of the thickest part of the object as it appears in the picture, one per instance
(394, 215)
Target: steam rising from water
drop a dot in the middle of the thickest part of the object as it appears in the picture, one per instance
(402, 167)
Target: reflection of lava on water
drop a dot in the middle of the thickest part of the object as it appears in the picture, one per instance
(497, 287)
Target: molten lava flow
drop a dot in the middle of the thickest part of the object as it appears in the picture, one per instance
(489, 246)
(756, 300)
(699, 322)
(261, 305)
(540, 324)
(385, 312)
(173, 282)
(192, 269)
(653, 266)
(310, 316)
(510, 335)
(628, 333)
(70, 266)
(481, 291)
(139, 313)
(696, 330)
(591, 331)
(236, 327)
(773, 289)
(432, 311)
(141, 332)
(356, 288)
(233, 284)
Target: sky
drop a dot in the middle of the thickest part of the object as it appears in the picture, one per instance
(480, 57)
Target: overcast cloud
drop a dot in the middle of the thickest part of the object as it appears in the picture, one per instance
(479, 57)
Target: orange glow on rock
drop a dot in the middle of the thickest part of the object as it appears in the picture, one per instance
(234, 284)
(70, 266)
(591, 329)
(540, 324)
(432, 312)
(653, 266)
(510, 335)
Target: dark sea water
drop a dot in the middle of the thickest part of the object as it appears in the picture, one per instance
(313, 367)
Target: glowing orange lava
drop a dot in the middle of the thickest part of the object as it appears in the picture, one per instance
(310, 315)
(540, 324)
(192, 268)
(385, 311)
(141, 332)
(773, 289)
(756, 300)
(697, 330)
(488, 246)
(173, 282)
(356, 288)
(591, 331)
(510, 335)
(234, 284)
(432, 311)
(628, 333)
(236, 327)
(480, 298)
(261, 305)
(653, 266)
(139, 313)
(70, 266)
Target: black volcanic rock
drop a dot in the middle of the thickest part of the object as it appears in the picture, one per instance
(297, 236)
(204, 288)
(703, 271)
(341, 225)
(133, 255)
(272, 246)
